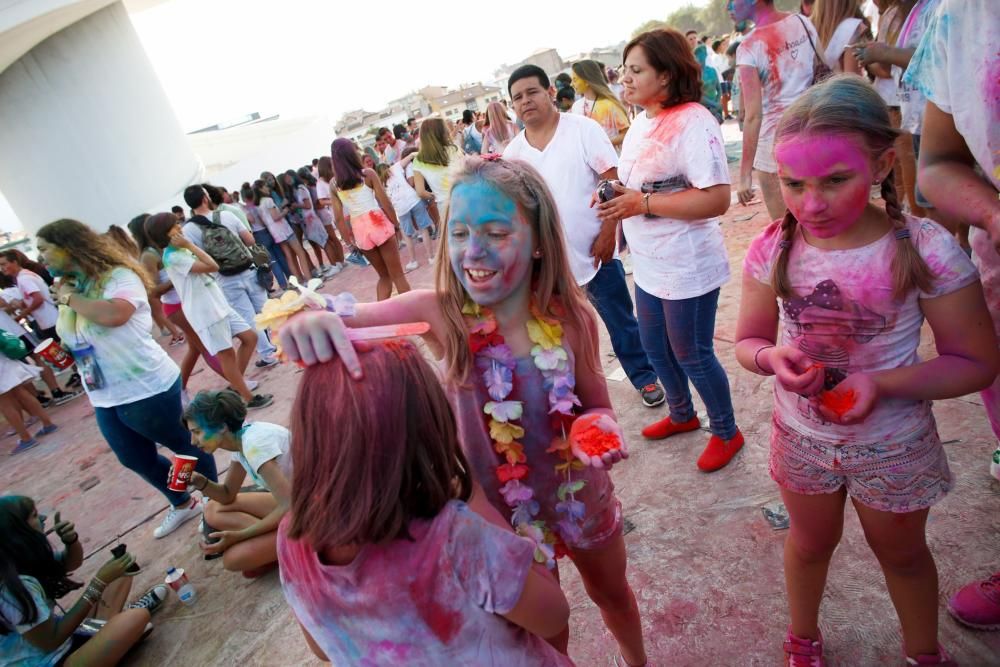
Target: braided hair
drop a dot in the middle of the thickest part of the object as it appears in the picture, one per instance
(846, 104)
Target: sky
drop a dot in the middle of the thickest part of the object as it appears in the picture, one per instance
(304, 57)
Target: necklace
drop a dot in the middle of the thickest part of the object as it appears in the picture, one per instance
(496, 363)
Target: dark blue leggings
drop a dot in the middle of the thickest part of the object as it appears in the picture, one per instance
(133, 429)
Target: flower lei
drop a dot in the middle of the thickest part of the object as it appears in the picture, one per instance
(495, 361)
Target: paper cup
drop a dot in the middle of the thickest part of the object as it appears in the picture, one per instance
(54, 354)
(181, 475)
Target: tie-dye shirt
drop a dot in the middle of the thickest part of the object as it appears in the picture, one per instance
(433, 600)
(134, 365)
(845, 317)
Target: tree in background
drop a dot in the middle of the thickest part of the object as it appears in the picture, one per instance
(712, 18)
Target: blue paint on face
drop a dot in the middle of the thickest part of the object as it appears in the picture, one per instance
(741, 10)
(206, 437)
(489, 243)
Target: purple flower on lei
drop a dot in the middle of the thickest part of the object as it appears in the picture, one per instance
(524, 512)
(569, 531)
(499, 355)
(514, 493)
(499, 381)
(572, 509)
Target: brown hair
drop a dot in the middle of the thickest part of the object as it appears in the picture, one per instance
(847, 105)
(551, 279)
(669, 53)
(123, 239)
(157, 228)
(96, 255)
(372, 455)
(828, 15)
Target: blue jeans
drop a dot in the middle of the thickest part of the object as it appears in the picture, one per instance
(279, 265)
(133, 429)
(677, 335)
(608, 291)
(247, 297)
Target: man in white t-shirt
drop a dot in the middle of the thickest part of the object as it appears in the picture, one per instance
(392, 148)
(573, 153)
(35, 296)
(242, 290)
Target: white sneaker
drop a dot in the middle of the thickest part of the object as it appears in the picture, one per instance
(251, 384)
(410, 267)
(176, 516)
(334, 269)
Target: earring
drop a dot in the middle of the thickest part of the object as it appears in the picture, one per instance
(537, 253)
(876, 182)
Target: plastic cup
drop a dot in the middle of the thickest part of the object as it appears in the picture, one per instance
(54, 354)
(180, 477)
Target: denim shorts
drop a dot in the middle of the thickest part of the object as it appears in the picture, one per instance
(902, 475)
(416, 219)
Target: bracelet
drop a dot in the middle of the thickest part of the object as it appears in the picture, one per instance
(97, 584)
(645, 198)
(757, 363)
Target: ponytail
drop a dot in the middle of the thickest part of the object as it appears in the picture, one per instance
(779, 274)
(909, 270)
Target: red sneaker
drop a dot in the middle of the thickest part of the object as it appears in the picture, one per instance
(666, 428)
(977, 605)
(719, 452)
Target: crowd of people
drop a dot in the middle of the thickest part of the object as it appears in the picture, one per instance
(421, 514)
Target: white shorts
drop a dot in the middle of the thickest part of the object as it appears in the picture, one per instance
(764, 159)
(219, 336)
(15, 373)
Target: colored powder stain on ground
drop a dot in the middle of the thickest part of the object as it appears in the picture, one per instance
(592, 440)
(838, 402)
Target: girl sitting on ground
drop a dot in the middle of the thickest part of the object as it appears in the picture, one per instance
(33, 576)
(407, 563)
(241, 526)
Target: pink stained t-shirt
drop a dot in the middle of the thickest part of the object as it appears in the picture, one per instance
(846, 318)
(433, 600)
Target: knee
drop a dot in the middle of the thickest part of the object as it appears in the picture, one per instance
(901, 558)
(613, 595)
(212, 510)
(813, 549)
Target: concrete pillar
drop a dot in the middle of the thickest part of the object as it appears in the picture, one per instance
(86, 130)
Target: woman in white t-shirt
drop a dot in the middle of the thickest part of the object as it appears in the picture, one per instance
(35, 295)
(774, 64)
(316, 225)
(274, 219)
(674, 186)
(132, 383)
(192, 272)
(325, 187)
(279, 265)
(839, 24)
(241, 527)
(411, 210)
(431, 173)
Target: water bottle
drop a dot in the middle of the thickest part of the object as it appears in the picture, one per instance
(178, 581)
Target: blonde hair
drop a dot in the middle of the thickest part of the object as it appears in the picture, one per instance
(554, 291)
(828, 14)
(847, 105)
(96, 255)
(592, 72)
(501, 128)
(436, 146)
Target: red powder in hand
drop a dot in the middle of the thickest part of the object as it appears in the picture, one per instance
(838, 402)
(592, 440)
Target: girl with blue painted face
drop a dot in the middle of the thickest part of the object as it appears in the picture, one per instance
(517, 342)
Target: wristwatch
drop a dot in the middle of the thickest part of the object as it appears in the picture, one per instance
(64, 298)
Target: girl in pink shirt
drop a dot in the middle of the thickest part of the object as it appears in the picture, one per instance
(834, 296)
(406, 562)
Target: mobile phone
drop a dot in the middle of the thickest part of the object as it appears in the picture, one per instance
(605, 191)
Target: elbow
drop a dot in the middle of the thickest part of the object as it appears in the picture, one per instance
(558, 621)
(721, 198)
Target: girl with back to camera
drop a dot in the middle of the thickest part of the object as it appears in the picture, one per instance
(410, 565)
(518, 344)
(834, 295)
(599, 101)
(431, 177)
(373, 220)
(500, 131)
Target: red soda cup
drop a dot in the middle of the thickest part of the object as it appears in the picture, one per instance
(54, 354)
(180, 475)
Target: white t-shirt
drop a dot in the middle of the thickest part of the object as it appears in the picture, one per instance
(8, 323)
(226, 219)
(402, 196)
(682, 146)
(202, 299)
(571, 165)
(838, 43)
(263, 442)
(29, 282)
(133, 364)
(845, 316)
(392, 154)
(438, 177)
(781, 54)
(15, 650)
(948, 69)
(911, 100)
